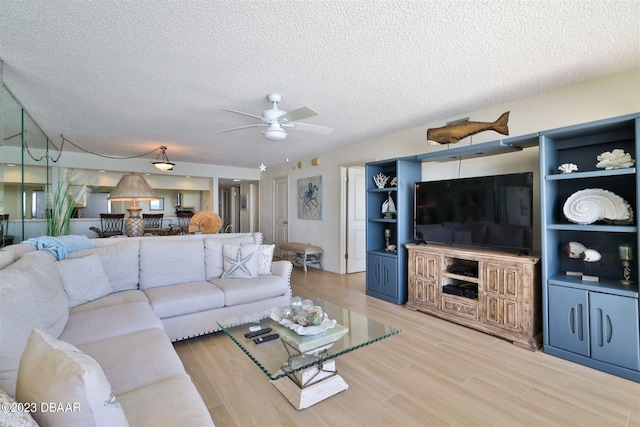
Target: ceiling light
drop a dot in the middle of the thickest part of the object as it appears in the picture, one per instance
(275, 133)
(163, 163)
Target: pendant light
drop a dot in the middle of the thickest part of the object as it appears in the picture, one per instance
(162, 161)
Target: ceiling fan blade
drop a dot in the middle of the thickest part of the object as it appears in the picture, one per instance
(299, 114)
(243, 127)
(243, 113)
(323, 130)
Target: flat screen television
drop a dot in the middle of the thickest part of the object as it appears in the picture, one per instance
(494, 211)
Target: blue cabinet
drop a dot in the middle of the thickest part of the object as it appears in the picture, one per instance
(595, 325)
(590, 312)
(382, 276)
(387, 234)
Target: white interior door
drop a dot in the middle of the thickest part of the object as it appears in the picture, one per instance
(356, 220)
(280, 212)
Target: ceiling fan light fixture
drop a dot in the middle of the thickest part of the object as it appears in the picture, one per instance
(275, 119)
(163, 163)
(275, 133)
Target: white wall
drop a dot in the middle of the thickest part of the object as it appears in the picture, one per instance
(610, 96)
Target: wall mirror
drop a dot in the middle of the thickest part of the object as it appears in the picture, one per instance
(26, 173)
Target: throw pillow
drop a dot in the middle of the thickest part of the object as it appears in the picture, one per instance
(120, 262)
(54, 372)
(83, 279)
(15, 414)
(265, 256)
(213, 259)
(240, 261)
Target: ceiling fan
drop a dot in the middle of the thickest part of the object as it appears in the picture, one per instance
(276, 120)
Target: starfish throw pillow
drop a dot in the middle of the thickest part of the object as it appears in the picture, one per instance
(240, 261)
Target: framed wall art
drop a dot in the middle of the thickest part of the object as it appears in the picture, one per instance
(157, 205)
(310, 198)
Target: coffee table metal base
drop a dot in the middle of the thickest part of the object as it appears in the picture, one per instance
(310, 386)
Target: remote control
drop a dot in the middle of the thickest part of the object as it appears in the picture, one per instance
(256, 333)
(254, 328)
(266, 338)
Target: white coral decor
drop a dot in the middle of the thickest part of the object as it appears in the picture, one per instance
(615, 159)
(380, 180)
(568, 167)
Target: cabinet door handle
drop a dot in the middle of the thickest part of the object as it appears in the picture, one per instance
(572, 320)
(580, 325)
(609, 329)
(599, 328)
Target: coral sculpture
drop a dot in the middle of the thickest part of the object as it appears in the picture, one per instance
(381, 180)
(615, 159)
(567, 167)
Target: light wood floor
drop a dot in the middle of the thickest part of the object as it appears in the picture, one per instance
(434, 373)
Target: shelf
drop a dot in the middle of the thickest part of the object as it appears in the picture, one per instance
(461, 277)
(382, 252)
(590, 174)
(492, 148)
(382, 190)
(605, 285)
(384, 220)
(594, 228)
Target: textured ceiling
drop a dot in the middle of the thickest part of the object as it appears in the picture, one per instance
(123, 77)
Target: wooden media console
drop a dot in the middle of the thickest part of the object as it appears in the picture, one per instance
(494, 292)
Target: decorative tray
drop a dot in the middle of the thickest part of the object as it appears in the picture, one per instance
(303, 330)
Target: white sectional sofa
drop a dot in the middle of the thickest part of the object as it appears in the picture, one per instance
(98, 326)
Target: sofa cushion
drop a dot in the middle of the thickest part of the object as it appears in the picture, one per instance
(120, 262)
(169, 301)
(240, 261)
(115, 298)
(214, 261)
(19, 249)
(172, 402)
(241, 291)
(106, 322)
(167, 262)
(83, 279)
(18, 316)
(53, 371)
(51, 299)
(153, 360)
(6, 258)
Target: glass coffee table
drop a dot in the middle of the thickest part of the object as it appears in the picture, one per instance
(302, 367)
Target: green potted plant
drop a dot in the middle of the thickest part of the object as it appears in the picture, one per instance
(62, 203)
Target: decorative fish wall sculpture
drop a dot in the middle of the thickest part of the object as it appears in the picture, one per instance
(453, 133)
